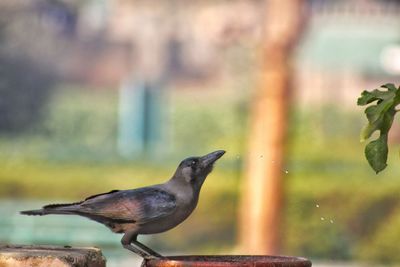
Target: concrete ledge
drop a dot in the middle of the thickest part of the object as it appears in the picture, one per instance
(55, 256)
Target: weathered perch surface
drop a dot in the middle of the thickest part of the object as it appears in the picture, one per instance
(41, 256)
(228, 261)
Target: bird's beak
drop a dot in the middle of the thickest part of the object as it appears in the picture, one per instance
(209, 159)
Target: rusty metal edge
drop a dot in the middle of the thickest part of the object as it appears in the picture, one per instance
(242, 260)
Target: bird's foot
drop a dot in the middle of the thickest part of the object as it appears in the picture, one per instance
(137, 251)
(144, 254)
(147, 249)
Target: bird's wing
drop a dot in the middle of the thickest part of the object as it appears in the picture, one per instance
(138, 205)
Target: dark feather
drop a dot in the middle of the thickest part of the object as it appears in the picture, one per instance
(33, 212)
(112, 191)
(52, 206)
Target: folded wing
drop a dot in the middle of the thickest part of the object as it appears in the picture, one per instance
(140, 205)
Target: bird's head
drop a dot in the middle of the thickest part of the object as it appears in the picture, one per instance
(194, 170)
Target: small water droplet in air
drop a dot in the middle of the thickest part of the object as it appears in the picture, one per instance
(317, 206)
(286, 171)
(322, 219)
(331, 221)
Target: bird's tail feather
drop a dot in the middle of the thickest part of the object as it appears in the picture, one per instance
(33, 212)
(53, 209)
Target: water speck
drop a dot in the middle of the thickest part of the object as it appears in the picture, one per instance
(331, 221)
(238, 157)
(322, 219)
(317, 205)
(286, 171)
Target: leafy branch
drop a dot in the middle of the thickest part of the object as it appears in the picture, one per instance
(380, 117)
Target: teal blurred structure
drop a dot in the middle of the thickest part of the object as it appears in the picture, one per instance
(142, 119)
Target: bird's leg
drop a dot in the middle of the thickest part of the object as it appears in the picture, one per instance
(142, 251)
(146, 249)
(126, 243)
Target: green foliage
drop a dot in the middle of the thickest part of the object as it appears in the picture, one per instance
(380, 118)
(327, 181)
(381, 245)
(345, 223)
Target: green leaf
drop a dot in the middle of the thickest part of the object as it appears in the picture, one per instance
(397, 97)
(376, 153)
(387, 120)
(374, 113)
(390, 86)
(366, 98)
(367, 131)
(369, 97)
(380, 117)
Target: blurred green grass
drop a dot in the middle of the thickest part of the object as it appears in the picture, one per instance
(336, 207)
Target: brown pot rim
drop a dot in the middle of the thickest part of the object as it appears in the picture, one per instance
(230, 260)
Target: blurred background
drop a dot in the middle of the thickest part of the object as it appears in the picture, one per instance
(111, 94)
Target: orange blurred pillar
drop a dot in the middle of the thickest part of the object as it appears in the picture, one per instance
(262, 195)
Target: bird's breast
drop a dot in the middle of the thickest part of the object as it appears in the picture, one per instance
(185, 204)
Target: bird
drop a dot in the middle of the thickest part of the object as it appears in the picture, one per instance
(146, 210)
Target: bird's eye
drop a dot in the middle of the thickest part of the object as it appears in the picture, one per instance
(193, 163)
